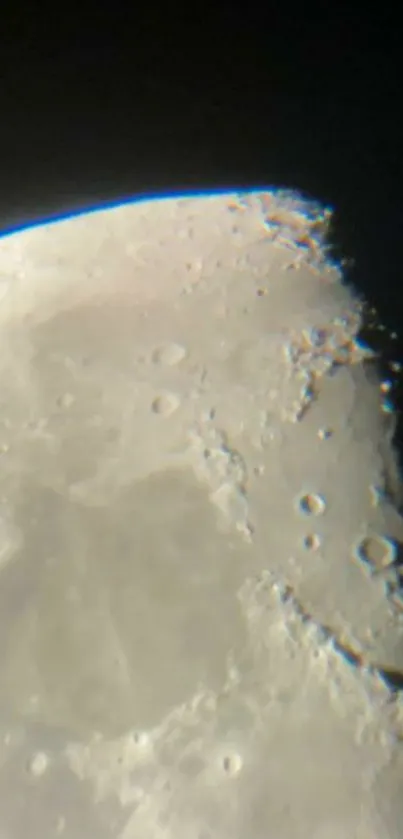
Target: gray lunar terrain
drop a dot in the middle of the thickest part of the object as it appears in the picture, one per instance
(201, 606)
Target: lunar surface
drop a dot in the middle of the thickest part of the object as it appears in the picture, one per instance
(201, 603)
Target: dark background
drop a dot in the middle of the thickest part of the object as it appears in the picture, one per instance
(104, 103)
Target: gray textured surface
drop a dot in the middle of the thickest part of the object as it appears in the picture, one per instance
(195, 533)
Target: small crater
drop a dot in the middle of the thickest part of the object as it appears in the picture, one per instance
(311, 542)
(259, 470)
(140, 739)
(311, 504)
(169, 354)
(38, 764)
(325, 433)
(376, 552)
(231, 764)
(165, 404)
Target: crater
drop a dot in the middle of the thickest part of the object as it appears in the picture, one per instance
(311, 504)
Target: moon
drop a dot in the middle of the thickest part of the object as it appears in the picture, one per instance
(200, 586)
